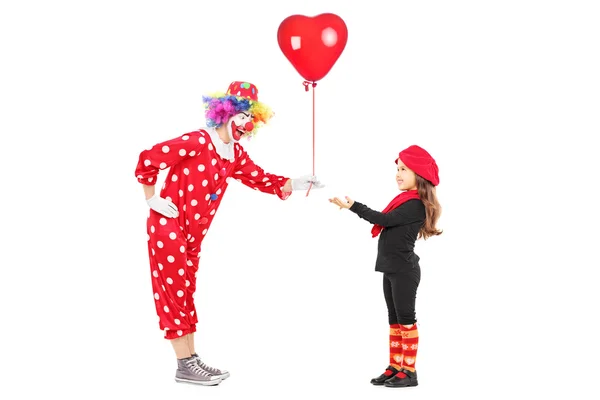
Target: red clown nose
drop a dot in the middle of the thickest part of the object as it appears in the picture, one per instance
(249, 126)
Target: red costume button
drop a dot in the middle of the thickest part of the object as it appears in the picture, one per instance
(223, 172)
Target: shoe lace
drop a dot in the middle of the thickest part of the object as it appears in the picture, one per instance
(195, 368)
(208, 368)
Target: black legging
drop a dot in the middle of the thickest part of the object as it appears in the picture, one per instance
(400, 291)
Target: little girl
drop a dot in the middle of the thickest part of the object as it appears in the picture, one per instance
(411, 215)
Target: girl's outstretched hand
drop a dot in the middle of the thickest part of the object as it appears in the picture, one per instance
(342, 204)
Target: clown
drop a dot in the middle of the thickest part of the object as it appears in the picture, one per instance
(201, 165)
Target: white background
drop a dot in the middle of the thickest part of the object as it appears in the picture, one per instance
(505, 96)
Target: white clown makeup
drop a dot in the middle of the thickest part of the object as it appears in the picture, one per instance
(239, 125)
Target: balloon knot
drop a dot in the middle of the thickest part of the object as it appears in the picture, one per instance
(306, 83)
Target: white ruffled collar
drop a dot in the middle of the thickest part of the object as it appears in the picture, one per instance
(225, 150)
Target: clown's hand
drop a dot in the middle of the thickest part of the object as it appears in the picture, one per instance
(303, 183)
(163, 206)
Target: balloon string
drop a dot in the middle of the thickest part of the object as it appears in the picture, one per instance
(314, 85)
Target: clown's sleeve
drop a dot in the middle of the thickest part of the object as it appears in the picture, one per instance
(253, 176)
(166, 154)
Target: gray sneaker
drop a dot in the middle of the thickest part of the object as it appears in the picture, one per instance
(189, 371)
(220, 373)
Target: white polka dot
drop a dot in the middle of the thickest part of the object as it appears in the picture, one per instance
(243, 161)
(207, 197)
(254, 173)
(187, 222)
(182, 152)
(192, 240)
(197, 216)
(163, 288)
(216, 176)
(160, 266)
(174, 178)
(218, 191)
(201, 167)
(177, 322)
(186, 171)
(192, 313)
(172, 236)
(268, 184)
(185, 137)
(214, 161)
(180, 293)
(202, 140)
(160, 244)
(180, 193)
(187, 283)
(210, 146)
(169, 281)
(166, 308)
(180, 332)
(147, 162)
(152, 228)
(163, 221)
(189, 262)
(184, 207)
(155, 273)
(191, 187)
(204, 231)
(163, 165)
(189, 236)
(165, 149)
(171, 259)
(213, 212)
(192, 153)
(182, 314)
(156, 296)
(265, 179)
(204, 183)
(153, 252)
(194, 202)
(181, 271)
(182, 249)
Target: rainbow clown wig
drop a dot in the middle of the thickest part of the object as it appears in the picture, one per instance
(240, 97)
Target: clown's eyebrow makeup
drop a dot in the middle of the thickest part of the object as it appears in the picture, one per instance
(247, 115)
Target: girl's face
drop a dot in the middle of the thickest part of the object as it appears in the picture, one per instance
(405, 177)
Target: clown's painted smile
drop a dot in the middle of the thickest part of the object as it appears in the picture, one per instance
(240, 124)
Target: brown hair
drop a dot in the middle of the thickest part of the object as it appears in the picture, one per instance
(433, 209)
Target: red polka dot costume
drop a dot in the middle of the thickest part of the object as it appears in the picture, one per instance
(196, 182)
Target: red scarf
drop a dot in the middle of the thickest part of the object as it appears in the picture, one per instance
(398, 200)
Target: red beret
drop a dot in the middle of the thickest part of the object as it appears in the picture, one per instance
(421, 162)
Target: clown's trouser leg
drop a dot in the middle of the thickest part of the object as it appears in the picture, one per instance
(173, 264)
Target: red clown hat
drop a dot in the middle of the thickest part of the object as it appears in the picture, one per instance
(245, 90)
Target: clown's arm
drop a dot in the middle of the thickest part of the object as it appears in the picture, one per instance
(164, 155)
(253, 176)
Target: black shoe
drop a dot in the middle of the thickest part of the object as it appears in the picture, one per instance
(383, 377)
(409, 380)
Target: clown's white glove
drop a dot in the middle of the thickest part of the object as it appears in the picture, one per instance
(303, 183)
(163, 206)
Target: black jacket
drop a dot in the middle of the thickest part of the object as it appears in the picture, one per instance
(397, 239)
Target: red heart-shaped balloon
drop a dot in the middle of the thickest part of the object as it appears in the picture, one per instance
(312, 44)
